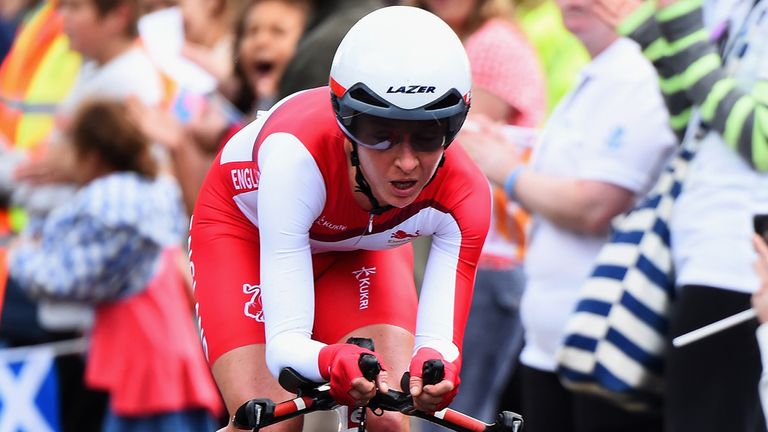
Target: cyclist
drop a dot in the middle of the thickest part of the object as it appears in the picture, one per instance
(300, 235)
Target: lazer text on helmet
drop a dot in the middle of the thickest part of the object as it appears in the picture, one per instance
(412, 89)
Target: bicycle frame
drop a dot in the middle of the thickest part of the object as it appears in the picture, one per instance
(259, 413)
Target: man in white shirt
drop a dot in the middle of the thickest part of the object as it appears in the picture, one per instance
(603, 147)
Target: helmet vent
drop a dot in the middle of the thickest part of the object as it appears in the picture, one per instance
(449, 100)
(362, 95)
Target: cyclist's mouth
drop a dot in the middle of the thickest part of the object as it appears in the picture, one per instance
(404, 187)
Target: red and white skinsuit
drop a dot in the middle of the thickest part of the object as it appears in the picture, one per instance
(276, 225)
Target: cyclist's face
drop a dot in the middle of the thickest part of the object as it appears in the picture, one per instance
(398, 174)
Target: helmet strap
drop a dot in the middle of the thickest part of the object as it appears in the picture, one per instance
(362, 184)
(439, 164)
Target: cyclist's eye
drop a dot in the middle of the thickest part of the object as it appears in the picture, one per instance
(381, 137)
(422, 137)
(427, 144)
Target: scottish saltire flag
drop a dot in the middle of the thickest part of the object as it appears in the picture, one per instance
(29, 392)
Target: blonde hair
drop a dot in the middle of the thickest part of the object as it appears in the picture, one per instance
(485, 10)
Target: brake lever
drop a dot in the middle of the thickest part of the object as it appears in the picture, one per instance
(369, 366)
(432, 372)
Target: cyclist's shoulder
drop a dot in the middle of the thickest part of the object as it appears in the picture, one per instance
(306, 115)
(303, 119)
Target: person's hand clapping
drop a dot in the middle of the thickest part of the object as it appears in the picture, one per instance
(486, 144)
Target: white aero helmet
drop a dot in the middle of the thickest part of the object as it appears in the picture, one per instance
(403, 69)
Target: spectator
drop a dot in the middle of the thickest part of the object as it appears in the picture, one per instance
(115, 67)
(760, 304)
(265, 41)
(714, 82)
(36, 75)
(601, 149)
(508, 88)
(562, 55)
(330, 21)
(113, 246)
(208, 33)
(104, 33)
(191, 44)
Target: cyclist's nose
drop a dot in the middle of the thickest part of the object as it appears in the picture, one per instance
(407, 159)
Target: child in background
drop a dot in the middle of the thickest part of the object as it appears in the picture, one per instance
(265, 40)
(104, 33)
(208, 34)
(115, 246)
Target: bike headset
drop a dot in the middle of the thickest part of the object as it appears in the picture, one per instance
(399, 71)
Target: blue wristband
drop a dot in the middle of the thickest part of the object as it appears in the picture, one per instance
(509, 183)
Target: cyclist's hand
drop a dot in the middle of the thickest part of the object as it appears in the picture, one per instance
(363, 390)
(432, 397)
(338, 364)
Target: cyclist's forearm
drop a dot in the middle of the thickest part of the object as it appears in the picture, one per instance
(297, 351)
(446, 294)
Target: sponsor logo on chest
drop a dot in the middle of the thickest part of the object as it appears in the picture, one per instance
(325, 223)
(400, 236)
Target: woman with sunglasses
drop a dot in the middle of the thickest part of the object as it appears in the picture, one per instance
(301, 234)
